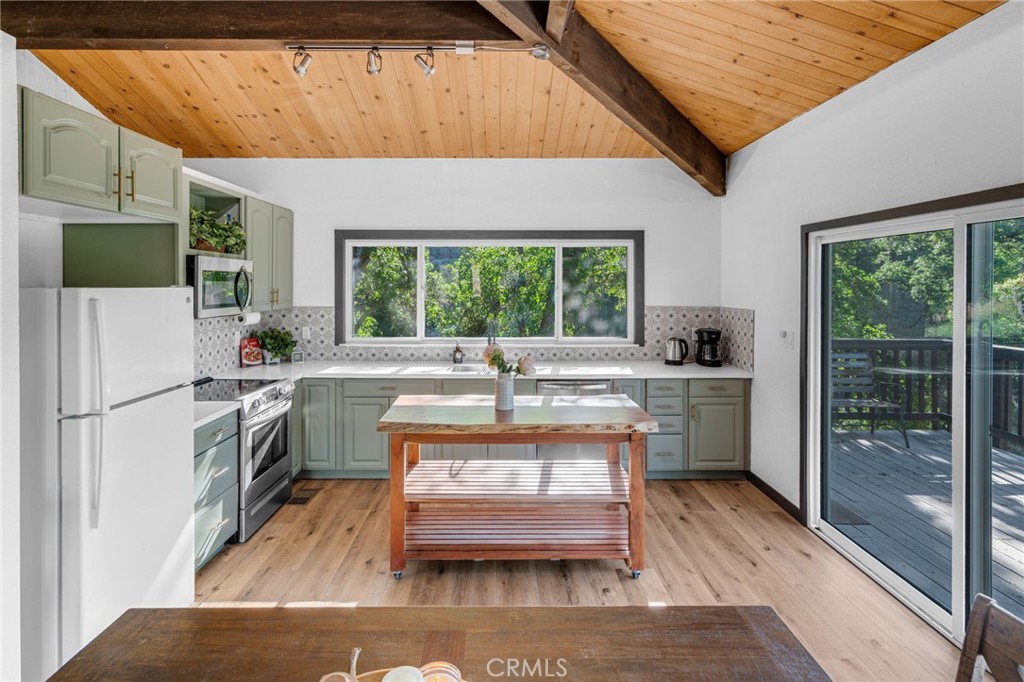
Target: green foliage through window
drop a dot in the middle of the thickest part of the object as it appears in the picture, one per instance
(475, 291)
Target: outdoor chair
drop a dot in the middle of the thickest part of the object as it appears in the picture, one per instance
(997, 635)
(855, 393)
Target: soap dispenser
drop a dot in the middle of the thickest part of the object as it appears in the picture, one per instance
(457, 354)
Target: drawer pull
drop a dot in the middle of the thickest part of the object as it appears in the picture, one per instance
(663, 407)
(223, 522)
(664, 454)
(662, 388)
(219, 432)
(221, 472)
(717, 388)
(391, 389)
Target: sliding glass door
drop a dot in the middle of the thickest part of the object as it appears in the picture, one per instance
(916, 404)
(995, 388)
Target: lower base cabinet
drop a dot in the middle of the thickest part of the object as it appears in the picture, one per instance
(215, 496)
(319, 424)
(717, 434)
(215, 524)
(363, 448)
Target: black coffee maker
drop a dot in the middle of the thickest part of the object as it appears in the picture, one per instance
(707, 347)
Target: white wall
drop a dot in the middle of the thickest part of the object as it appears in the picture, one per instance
(10, 483)
(35, 75)
(947, 120)
(681, 219)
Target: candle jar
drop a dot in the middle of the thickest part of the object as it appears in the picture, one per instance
(440, 671)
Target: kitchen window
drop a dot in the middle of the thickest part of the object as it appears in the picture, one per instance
(541, 287)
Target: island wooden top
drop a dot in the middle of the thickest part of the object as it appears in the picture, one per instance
(586, 644)
(475, 414)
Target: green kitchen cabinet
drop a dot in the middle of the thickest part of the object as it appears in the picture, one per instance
(271, 231)
(259, 225)
(631, 388)
(717, 425)
(283, 269)
(363, 447)
(320, 424)
(151, 183)
(74, 157)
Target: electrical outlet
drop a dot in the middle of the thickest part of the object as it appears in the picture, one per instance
(307, 333)
(788, 339)
(238, 337)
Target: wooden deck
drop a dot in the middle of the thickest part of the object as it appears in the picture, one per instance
(897, 504)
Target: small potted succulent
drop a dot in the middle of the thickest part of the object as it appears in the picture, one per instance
(206, 233)
(276, 344)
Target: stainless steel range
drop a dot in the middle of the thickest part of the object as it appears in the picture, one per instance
(265, 462)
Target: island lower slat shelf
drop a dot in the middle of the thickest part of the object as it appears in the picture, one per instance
(505, 481)
(517, 533)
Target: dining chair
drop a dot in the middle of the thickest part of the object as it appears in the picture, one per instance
(996, 635)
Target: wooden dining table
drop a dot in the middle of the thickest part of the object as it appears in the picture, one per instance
(569, 644)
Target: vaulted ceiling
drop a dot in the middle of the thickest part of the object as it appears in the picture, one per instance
(736, 69)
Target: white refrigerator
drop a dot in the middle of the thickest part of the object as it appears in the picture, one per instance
(107, 468)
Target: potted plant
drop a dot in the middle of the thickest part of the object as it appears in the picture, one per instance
(206, 233)
(276, 344)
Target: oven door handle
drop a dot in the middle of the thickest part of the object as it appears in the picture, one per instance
(268, 416)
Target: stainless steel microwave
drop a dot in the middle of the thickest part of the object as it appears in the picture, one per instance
(223, 286)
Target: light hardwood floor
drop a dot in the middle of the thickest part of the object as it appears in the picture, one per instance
(708, 542)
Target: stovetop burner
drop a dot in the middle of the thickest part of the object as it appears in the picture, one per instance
(229, 389)
(257, 396)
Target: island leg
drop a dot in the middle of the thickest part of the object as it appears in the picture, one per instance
(637, 467)
(412, 456)
(613, 458)
(397, 504)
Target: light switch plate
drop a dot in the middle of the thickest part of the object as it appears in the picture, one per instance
(307, 333)
(788, 338)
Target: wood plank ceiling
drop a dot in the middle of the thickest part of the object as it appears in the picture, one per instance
(737, 69)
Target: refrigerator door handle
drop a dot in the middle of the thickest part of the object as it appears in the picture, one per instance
(97, 478)
(100, 328)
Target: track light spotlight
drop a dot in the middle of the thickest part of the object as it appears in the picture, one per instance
(425, 60)
(540, 51)
(373, 61)
(301, 62)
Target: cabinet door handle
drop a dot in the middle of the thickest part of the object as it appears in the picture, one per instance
(693, 413)
(219, 432)
(131, 176)
(117, 174)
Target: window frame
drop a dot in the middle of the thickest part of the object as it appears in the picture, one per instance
(346, 240)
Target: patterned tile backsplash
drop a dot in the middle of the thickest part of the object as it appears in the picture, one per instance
(216, 349)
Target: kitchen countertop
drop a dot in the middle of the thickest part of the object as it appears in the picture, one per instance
(437, 370)
(210, 410)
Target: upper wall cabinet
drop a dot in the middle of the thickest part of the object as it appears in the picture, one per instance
(271, 231)
(74, 157)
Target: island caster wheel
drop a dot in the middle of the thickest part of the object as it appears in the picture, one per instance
(398, 575)
(636, 575)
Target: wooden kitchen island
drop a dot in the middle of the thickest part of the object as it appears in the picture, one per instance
(458, 509)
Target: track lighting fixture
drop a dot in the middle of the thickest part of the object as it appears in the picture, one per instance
(424, 57)
(425, 60)
(373, 61)
(301, 62)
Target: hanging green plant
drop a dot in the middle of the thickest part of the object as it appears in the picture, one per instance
(206, 233)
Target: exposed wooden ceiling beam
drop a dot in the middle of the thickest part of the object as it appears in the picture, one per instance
(558, 16)
(590, 60)
(230, 25)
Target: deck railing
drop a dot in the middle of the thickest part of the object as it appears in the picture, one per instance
(926, 391)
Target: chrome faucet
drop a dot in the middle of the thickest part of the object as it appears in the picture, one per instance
(490, 332)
